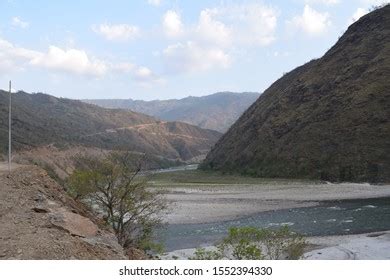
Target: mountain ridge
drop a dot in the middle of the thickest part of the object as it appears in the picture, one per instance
(216, 111)
(327, 119)
(40, 119)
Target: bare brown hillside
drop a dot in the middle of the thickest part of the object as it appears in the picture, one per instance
(40, 221)
(328, 119)
(40, 120)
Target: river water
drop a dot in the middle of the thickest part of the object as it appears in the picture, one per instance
(176, 168)
(329, 218)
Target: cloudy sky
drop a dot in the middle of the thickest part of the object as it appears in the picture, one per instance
(160, 49)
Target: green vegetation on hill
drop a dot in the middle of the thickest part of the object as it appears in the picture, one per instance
(328, 119)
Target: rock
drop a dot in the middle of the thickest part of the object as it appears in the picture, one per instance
(73, 223)
(108, 240)
(136, 254)
(40, 209)
(39, 197)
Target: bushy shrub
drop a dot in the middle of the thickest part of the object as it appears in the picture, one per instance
(249, 243)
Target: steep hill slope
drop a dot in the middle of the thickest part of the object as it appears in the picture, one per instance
(216, 111)
(328, 119)
(40, 119)
(40, 221)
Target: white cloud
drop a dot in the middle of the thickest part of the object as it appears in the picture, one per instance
(242, 24)
(311, 21)
(124, 67)
(72, 61)
(172, 24)
(210, 30)
(254, 24)
(146, 77)
(357, 15)
(208, 43)
(19, 23)
(143, 73)
(191, 57)
(14, 58)
(375, 2)
(118, 32)
(13, 51)
(361, 11)
(154, 2)
(325, 2)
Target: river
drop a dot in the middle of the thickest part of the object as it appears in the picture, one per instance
(329, 218)
(176, 168)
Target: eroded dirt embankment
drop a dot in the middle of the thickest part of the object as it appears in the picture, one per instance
(40, 221)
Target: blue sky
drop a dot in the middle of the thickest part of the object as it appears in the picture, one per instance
(160, 49)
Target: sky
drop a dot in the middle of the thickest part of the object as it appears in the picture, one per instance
(162, 49)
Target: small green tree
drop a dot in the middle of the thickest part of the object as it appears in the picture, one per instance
(249, 243)
(113, 185)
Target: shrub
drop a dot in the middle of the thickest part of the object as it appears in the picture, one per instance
(249, 243)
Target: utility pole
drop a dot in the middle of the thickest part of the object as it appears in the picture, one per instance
(9, 131)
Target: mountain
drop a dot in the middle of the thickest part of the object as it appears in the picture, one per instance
(328, 119)
(40, 119)
(217, 111)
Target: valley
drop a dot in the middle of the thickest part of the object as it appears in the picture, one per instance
(47, 129)
(124, 178)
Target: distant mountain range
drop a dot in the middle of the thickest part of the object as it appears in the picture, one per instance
(216, 111)
(40, 119)
(328, 119)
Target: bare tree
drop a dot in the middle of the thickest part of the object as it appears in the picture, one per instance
(115, 186)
